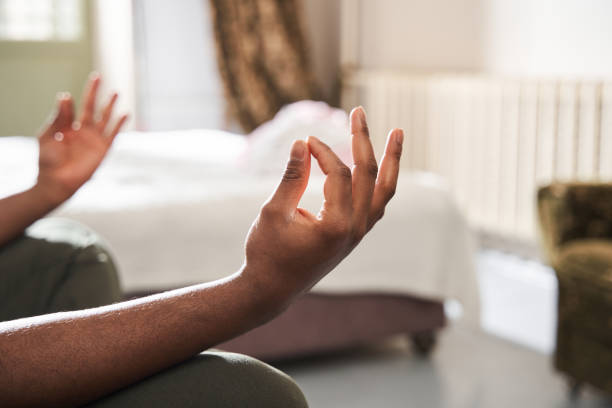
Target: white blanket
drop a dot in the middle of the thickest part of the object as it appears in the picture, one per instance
(175, 208)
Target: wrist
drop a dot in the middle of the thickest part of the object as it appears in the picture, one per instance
(46, 193)
(266, 295)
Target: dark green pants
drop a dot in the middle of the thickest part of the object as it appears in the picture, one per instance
(60, 265)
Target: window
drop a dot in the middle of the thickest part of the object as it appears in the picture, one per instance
(40, 20)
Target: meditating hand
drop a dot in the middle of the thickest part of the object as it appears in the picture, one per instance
(72, 358)
(289, 249)
(71, 151)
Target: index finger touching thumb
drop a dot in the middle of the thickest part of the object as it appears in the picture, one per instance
(295, 178)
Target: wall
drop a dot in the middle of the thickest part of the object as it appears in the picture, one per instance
(519, 37)
(31, 74)
(549, 37)
(419, 35)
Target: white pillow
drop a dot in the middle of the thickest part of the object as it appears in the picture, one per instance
(269, 144)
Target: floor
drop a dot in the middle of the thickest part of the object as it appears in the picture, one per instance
(467, 370)
(518, 299)
(507, 364)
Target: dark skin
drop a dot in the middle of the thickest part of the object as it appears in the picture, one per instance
(69, 153)
(69, 358)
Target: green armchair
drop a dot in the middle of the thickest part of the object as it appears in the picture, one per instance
(576, 232)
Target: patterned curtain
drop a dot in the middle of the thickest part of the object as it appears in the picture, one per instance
(262, 57)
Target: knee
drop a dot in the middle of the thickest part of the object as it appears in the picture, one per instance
(212, 379)
(64, 231)
(89, 276)
(254, 383)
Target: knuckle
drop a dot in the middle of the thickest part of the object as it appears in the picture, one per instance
(389, 190)
(372, 168)
(374, 218)
(365, 130)
(359, 232)
(293, 172)
(344, 172)
(339, 230)
(268, 210)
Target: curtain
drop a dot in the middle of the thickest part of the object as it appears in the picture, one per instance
(262, 56)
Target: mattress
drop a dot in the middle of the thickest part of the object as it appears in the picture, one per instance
(175, 208)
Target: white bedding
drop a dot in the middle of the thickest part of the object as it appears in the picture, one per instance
(175, 208)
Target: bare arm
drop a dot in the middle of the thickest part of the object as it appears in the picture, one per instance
(69, 153)
(74, 357)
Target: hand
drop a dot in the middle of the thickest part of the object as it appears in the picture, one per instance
(288, 249)
(69, 151)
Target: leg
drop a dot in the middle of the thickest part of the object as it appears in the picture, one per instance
(211, 379)
(57, 265)
(423, 342)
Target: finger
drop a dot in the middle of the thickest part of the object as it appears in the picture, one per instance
(68, 109)
(111, 136)
(365, 170)
(387, 176)
(295, 179)
(337, 189)
(63, 115)
(89, 100)
(107, 112)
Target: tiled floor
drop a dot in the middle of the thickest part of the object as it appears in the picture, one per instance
(467, 370)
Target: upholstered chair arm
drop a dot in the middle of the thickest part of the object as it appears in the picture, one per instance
(587, 261)
(573, 211)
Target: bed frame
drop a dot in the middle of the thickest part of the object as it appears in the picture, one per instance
(319, 323)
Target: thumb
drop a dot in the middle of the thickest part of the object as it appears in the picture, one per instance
(295, 179)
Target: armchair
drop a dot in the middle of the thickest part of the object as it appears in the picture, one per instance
(576, 232)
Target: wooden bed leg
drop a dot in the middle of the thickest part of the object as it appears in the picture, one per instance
(423, 343)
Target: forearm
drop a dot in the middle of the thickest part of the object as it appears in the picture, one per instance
(73, 357)
(19, 211)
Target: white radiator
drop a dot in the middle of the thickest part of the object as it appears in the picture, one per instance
(494, 139)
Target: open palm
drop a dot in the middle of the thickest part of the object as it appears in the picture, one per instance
(70, 151)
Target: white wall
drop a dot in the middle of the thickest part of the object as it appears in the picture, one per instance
(421, 35)
(549, 37)
(518, 37)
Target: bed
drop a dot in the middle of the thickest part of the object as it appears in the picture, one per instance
(175, 208)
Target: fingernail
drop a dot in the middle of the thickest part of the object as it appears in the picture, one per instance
(399, 138)
(94, 75)
(297, 151)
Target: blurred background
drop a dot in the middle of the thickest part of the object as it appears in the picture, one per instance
(496, 249)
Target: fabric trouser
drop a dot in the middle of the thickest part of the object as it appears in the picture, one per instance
(60, 265)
